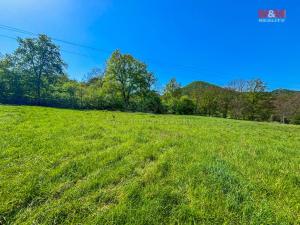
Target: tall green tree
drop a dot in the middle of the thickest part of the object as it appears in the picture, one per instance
(128, 76)
(256, 97)
(209, 101)
(172, 89)
(287, 106)
(40, 59)
(171, 95)
(224, 101)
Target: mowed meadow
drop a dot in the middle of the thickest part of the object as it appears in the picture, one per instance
(60, 166)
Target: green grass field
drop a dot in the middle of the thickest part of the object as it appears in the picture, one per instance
(94, 167)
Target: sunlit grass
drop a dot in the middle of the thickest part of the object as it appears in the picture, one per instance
(95, 167)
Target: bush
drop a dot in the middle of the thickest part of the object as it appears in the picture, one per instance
(186, 106)
(151, 103)
(296, 119)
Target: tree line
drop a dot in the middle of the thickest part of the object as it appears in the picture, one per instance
(34, 74)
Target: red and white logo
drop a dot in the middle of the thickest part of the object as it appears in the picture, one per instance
(272, 15)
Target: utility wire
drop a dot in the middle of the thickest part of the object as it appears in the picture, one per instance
(9, 37)
(193, 69)
(9, 28)
(5, 27)
(66, 51)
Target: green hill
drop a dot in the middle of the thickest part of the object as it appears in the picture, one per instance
(197, 86)
(284, 91)
(96, 167)
(201, 86)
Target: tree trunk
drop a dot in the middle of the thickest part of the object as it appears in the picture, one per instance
(283, 119)
(39, 90)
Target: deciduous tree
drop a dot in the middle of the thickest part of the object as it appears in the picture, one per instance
(40, 59)
(128, 75)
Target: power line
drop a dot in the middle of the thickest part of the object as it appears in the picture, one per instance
(13, 38)
(193, 69)
(66, 51)
(9, 28)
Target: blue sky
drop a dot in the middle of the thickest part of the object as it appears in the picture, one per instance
(214, 41)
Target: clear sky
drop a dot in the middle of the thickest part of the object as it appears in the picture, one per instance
(209, 40)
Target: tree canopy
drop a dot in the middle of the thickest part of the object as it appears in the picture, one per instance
(129, 76)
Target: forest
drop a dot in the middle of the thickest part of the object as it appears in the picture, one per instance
(35, 74)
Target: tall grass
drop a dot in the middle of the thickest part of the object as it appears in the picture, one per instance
(95, 167)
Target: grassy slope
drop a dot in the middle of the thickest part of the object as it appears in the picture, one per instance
(64, 166)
